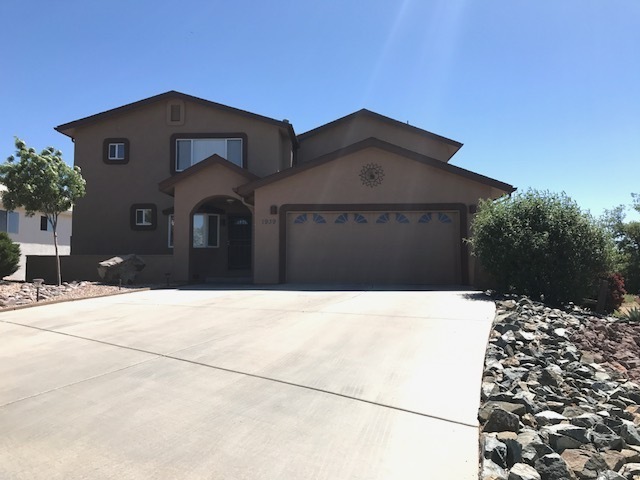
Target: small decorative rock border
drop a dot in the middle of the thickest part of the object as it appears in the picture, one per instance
(548, 410)
(15, 295)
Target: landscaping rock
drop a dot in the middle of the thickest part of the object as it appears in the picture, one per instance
(631, 471)
(610, 475)
(553, 467)
(123, 269)
(522, 471)
(492, 471)
(556, 382)
(584, 464)
(502, 421)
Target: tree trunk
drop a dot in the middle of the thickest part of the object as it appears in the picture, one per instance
(54, 227)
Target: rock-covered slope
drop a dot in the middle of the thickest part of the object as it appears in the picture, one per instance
(557, 401)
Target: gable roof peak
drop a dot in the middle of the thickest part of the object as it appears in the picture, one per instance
(69, 128)
(382, 118)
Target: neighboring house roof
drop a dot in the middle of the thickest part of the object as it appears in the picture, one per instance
(247, 189)
(167, 185)
(69, 128)
(368, 113)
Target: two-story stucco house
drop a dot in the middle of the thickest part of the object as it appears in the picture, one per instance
(34, 235)
(213, 192)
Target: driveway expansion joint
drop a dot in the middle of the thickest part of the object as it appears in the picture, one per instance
(223, 369)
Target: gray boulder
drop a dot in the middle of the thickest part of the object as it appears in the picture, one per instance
(124, 268)
(553, 467)
(502, 421)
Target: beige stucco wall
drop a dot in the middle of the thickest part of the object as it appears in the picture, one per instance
(215, 180)
(338, 182)
(101, 223)
(361, 127)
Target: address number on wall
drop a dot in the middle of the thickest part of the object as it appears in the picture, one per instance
(268, 221)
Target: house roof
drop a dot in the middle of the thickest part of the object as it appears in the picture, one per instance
(69, 128)
(168, 184)
(248, 189)
(368, 113)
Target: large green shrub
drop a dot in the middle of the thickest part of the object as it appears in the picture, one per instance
(9, 255)
(542, 245)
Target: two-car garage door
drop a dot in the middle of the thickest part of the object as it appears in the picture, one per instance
(373, 247)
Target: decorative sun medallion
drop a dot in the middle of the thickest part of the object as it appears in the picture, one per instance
(371, 175)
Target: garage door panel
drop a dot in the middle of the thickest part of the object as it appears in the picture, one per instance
(373, 247)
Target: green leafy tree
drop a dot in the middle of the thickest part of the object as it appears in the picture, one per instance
(41, 182)
(542, 245)
(9, 255)
(627, 238)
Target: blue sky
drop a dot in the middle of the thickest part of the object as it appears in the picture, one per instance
(542, 94)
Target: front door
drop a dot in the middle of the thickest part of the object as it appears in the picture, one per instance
(239, 246)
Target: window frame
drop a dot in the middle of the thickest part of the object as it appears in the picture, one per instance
(44, 221)
(13, 222)
(206, 136)
(206, 228)
(106, 151)
(142, 220)
(133, 216)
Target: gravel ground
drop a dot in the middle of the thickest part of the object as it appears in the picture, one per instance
(15, 294)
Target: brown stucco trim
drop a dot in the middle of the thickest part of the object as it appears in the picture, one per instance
(249, 188)
(154, 216)
(388, 120)
(188, 136)
(167, 185)
(68, 128)
(461, 208)
(105, 151)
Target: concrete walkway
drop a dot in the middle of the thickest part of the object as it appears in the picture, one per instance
(244, 384)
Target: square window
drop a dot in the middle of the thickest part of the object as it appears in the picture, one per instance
(116, 151)
(143, 216)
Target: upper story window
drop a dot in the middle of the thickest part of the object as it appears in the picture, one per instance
(143, 217)
(190, 151)
(115, 151)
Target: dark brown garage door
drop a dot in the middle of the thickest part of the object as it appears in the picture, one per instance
(392, 247)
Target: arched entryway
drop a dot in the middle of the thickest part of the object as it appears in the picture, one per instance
(221, 241)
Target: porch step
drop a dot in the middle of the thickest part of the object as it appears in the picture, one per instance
(229, 280)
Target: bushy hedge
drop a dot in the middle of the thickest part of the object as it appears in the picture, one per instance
(542, 245)
(9, 255)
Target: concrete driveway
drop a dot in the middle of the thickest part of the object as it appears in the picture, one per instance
(244, 384)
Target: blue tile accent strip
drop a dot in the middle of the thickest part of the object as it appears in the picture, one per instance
(342, 218)
(302, 218)
(402, 218)
(444, 218)
(384, 218)
(318, 218)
